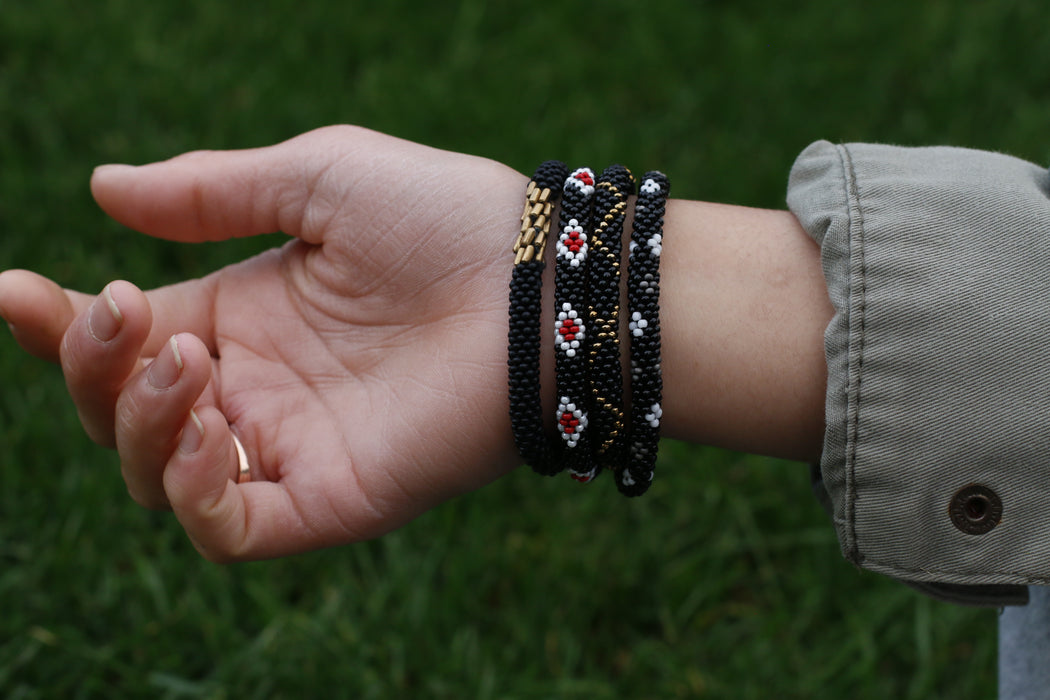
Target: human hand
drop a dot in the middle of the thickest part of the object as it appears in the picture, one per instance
(362, 365)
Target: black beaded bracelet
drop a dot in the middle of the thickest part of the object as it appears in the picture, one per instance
(607, 414)
(523, 336)
(570, 326)
(643, 299)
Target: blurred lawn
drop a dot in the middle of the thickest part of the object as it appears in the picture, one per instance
(726, 581)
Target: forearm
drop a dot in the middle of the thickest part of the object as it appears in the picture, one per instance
(743, 311)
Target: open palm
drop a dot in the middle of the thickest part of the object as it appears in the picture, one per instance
(362, 364)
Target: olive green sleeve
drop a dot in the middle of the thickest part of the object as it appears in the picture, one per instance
(936, 461)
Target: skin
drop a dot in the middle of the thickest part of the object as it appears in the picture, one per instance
(363, 364)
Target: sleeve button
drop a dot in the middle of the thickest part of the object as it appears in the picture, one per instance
(975, 509)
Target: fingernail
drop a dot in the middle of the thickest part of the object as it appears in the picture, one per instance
(166, 367)
(192, 434)
(105, 318)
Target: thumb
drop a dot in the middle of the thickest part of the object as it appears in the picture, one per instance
(216, 195)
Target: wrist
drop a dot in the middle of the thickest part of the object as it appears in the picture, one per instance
(744, 312)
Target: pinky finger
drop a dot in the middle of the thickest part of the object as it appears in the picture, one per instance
(225, 520)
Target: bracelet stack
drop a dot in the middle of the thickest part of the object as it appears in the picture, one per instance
(594, 431)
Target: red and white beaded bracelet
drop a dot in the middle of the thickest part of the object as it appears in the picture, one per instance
(570, 327)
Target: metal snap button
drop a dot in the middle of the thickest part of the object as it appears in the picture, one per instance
(975, 509)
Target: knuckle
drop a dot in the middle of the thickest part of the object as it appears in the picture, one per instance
(337, 131)
(98, 428)
(213, 555)
(146, 497)
(71, 351)
(218, 553)
(207, 551)
(218, 533)
(129, 413)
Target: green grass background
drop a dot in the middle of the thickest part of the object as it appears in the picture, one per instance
(724, 582)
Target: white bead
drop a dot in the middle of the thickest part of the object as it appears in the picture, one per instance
(650, 186)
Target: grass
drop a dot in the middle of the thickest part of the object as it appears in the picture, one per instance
(726, 581)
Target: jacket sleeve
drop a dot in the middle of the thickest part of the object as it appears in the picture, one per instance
(936, 461)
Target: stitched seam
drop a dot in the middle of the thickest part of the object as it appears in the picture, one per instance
(855, 356)
(897, 568)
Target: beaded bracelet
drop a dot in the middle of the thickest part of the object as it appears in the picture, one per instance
(523, 336)
(607, 415)
(570, 328)
(643, 300)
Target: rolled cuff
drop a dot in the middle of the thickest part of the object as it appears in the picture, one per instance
(937, 262)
